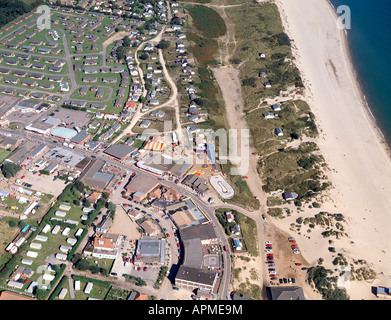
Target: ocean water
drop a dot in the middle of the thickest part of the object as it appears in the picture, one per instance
(370, 46)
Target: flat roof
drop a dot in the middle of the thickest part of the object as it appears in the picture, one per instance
(65, 157)
(200, 231)
(120, 151)
(63, 132)
(205, 277)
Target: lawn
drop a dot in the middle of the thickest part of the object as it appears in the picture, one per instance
(4, 154)
(99, 289)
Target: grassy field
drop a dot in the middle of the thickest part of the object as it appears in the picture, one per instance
(207, 21)
(4, 154)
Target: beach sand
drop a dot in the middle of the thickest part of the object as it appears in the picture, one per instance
(358, 157)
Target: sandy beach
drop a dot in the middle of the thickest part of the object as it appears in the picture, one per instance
(357, 156)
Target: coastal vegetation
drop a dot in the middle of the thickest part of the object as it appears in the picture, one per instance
(331, 223)
(262, 53)
(204, 28)
(322, 281)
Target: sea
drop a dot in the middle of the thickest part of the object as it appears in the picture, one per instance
(369, 39)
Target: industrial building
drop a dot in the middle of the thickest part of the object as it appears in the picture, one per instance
(67, 158)
(93, 176)
(120, 151)
(150, 251)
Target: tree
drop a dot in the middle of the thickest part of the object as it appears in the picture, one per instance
(10, 169)
(79, 185)
(82, 265)
(94, 269)
(163, 44)
(127, 42)
(12, 223)
(144, 56)
(121, 52)
(111, 206)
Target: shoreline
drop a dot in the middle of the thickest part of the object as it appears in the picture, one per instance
(359, 85)
(357, 154)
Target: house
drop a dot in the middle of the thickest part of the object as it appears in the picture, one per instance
(276, 107)
(285, 293)
(145, 123)
(289, 196)
(104, 246)
(235, 229)
(278, 132)
(269, 115)
(267, 85)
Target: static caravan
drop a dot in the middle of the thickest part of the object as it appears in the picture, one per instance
(71, 241)
(35, 245)
(27, 262)
(56, 229)
(32, 254)
(72, 222)
(46, 228)
(65, 249)
(63, 293)
(88, 288)
(77, 285)
(61, 256)
(79, 232)
(32, 287)
(41, 238)
(66, 231)
(61, 214)
(64, 207)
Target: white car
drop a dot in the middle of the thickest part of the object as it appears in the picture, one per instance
(268, 242)
(272, 272)
(269, 251)
(296, 251)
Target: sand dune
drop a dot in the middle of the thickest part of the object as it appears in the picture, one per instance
(350, 142)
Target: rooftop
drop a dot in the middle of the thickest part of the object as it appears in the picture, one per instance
(120, 151)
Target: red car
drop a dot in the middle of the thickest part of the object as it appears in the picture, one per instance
(22, 177)
(292, 240)
(245, 177)
(167, 235)
(145, 269)
(269, 255)
(294, 246)
(178, 245)
(298, 264)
